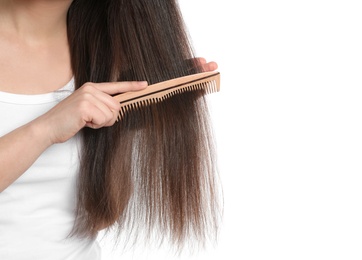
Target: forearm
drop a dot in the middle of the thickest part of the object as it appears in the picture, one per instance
(90, 106)
(19, 149)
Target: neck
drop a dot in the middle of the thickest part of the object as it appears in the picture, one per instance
(34, 20)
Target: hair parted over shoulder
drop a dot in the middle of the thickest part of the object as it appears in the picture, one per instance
(154, 172)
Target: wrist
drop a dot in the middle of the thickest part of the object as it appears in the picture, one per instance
(39, 131)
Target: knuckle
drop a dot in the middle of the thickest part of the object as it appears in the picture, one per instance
(88, 87)
(112, 117)
(102, 119)
(111, 122)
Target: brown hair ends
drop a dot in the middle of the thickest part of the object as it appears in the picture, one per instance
(154, 172)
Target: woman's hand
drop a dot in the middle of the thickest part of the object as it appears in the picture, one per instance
(90, 106)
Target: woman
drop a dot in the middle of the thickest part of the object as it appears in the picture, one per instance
(40, 115)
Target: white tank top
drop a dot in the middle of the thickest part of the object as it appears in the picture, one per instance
(37, 210)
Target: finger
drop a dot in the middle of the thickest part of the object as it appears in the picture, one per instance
(200, 60)
(98, 118)
(204, 65)
(102, 91)
(112, 88)
(96, 113)
(106, 99)
(210, 66)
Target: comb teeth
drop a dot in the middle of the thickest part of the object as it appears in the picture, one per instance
(135, 105)
(208, 81)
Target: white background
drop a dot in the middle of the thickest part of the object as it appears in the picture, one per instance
(289, 129)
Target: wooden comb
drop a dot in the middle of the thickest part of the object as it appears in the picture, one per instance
(210, 81)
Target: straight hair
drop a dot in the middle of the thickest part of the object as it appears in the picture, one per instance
(155, 172)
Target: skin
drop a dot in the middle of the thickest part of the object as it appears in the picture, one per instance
(34, 32)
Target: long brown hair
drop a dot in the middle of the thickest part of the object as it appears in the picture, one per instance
(155, 171)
